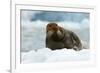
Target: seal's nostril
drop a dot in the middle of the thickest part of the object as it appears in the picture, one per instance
(55, 28)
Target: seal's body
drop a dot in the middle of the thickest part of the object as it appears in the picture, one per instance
(57, 38)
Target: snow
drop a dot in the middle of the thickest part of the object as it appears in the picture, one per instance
(47, 55)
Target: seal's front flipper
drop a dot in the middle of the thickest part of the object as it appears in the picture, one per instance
(76, 41)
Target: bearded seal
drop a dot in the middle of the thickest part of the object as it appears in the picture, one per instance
(58, 38)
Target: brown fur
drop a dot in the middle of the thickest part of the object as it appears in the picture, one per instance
(58, 38)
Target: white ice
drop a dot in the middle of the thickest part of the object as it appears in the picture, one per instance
(47, 55)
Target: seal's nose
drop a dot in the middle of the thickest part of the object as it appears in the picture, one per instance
(55, 28)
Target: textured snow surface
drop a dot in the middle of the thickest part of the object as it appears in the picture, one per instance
(47, 55)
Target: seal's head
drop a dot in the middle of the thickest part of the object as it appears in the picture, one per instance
(52, 27)
(54, 31)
